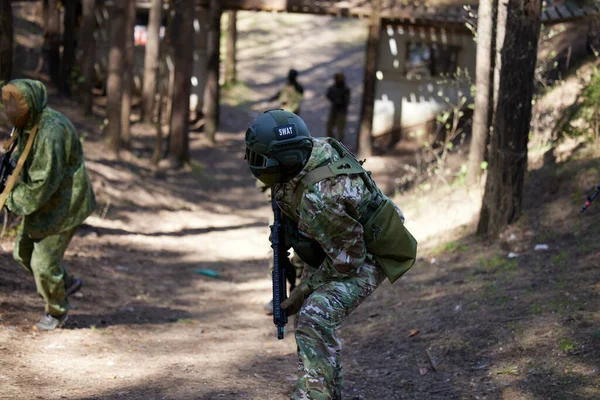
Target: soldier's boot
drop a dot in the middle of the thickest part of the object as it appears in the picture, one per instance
(50, 322)
(73, 286)
(268, 307)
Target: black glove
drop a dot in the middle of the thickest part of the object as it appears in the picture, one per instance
(293, 303)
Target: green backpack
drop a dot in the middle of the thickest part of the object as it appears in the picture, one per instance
(388, 240)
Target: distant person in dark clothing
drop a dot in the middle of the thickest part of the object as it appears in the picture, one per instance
(290, 96)
(339, 96)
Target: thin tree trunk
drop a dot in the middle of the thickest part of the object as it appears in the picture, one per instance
(128, 65)
(365, 145)
(69, 44)
(115, 70)
(6, 40)
(151, 61)
(230, 66)
(502, 13)
(508, 154)
(162, 70)
(483, 100)
(183, 33)
(52, 42)
(87, 44)
(211, 91)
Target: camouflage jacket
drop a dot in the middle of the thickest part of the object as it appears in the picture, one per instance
(328, 212)
(55, 193)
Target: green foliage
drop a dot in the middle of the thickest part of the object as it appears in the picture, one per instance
(509, 370)
(560, 260)
(567, 344)
(450, 247)
(497, 263)
(584, 119)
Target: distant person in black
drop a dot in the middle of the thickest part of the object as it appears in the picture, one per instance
(290, 96)
(339, 96)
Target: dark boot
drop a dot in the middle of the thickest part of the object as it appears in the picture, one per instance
(73, 286)
(49, 322)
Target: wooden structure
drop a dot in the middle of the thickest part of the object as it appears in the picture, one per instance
(415, 12)
(393, 100)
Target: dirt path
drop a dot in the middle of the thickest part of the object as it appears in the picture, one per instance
(146, 325)
(465, 323)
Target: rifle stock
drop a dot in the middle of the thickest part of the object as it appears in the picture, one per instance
(280, 265)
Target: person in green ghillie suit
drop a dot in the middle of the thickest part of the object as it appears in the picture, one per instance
(54, 194)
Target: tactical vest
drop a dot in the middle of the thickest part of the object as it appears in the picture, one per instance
(386, 237)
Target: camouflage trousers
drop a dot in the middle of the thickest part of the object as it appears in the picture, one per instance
(42, 258)
(319, 348)
(337, 122)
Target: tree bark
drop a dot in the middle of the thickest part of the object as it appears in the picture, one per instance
(365, 145)
(502, 13)
(183, 33)
(6, 41)
(69, 45)
(508, 154)
(128, 64)
(114, 85)
(87, 44)
(483, 93)
(230, 66)
(162, 89)
(151, 60)
(211, 91)
(52, 42)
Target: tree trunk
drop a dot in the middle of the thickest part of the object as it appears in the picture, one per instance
(211, 91)
(183, 33)
(162, 89)
(502, 13)
(365, 145)
(230, 66)
(114, 85)
(6, 40)
(483, 99)
(151, 61)
(69, 45)
(52, 42)
(508, 154)
(128, 66)
(87, 44)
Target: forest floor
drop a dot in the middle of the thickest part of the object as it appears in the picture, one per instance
(467, 322)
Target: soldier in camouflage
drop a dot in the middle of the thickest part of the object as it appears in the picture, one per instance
(290, 96)
(331, 211)
(54, 194)
(295, 260)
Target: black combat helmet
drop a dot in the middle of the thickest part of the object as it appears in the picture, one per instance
(278, 145)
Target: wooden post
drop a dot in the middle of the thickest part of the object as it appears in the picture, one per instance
(365, 145)
(230, 66)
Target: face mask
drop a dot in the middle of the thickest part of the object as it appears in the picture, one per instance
(15, 106)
